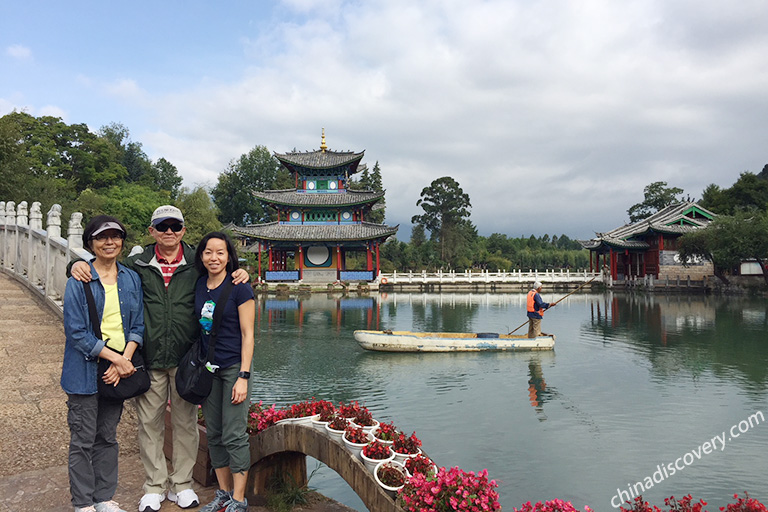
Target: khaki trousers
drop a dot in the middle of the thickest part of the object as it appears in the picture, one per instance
(151, 408)
(534, 327)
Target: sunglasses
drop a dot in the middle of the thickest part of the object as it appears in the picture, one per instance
(164, 226)
(103, 236)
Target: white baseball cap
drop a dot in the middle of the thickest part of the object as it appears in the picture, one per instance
(536, 285)
(166, 212)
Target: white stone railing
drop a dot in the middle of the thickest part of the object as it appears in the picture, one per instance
(35, 256)
(512, 277)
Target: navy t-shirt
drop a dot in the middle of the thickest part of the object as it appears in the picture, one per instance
(228, 344)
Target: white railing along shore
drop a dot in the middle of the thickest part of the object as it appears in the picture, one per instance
(502, 277)
(35, 256)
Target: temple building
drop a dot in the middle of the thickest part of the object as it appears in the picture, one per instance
(319, 222)
(649, 247)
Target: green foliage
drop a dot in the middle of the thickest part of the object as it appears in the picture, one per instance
(254, 171)
(727, 241)
(750, 192)
(132, 203)
(200, 214)
(446, 215)
(657, 197)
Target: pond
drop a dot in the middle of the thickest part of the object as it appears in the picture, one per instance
(640, 388)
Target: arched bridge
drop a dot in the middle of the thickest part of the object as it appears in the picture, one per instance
(283, 449)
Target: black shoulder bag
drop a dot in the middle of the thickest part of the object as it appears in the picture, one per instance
(128, 387)
(194, 376)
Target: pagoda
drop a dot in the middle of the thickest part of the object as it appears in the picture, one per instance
(319, 222)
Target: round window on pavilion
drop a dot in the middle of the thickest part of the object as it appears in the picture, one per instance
(311, 185)
(295, 215)
(318, 255)
(346, 215)
(332, 185)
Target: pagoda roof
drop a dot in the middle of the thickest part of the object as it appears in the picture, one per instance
(290, 197)
(283, 232)
(675, 219)
(321, 160)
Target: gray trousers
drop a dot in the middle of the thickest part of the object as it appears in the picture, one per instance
(226, 424)
(93, 448)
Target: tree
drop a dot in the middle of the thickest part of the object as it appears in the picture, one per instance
(727, 241)
(254, 171)
(166, 176)
(200, 214)
(657, 197)
(446, 209)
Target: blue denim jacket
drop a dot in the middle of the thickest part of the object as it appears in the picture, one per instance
(80, 367)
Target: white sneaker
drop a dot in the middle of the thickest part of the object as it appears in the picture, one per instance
(107, 506)
(185, 499)
(150, 502)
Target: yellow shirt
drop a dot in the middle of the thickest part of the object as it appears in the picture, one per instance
(112, 322)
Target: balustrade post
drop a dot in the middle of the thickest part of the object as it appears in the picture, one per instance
(2, 223)
(10, 220)
(75, 232)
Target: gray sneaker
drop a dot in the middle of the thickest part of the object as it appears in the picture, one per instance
(85, 509)
(237, 506)
(219, 503)
(107, 506)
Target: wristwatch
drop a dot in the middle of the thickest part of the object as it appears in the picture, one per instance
(244, 375)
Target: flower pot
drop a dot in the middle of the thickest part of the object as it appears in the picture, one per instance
(382, 441)
(305, 420)
(367, 428)
(400, 457)
(356, 448)
(370, 464)
(336, 435)
(432, 471)
(319, 425)
(392, 491)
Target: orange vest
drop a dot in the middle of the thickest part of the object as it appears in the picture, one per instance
(531, 302)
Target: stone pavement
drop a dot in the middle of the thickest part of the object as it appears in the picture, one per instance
(34, 436)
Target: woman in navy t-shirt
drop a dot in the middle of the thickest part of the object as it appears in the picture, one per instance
(226, 408)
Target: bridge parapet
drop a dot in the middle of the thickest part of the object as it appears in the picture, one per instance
(35, 256)
(282, 449)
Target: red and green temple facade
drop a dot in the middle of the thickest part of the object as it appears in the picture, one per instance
(319, 222)
(649, 247)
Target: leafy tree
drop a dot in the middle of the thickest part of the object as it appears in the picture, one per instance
(727, 241)
(167, 177)
(657, 197)
(446, 210)
(132, 203)
(200, 214)
(254, 171)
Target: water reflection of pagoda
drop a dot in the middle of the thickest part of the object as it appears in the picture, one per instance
(320, 221)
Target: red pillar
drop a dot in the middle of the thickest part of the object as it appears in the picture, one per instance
(590, 261)
(270, 259)
(368, 259)
(301, 263)
(259, 252)
(338, 262)
(377, 259)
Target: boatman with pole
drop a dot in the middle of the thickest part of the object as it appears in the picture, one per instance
(536, 307)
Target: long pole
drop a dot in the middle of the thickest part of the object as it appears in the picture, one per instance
(555, 303)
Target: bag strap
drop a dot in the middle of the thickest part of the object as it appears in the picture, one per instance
(92, 310)
(218, 312)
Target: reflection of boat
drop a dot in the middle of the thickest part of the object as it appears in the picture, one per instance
(406, 341)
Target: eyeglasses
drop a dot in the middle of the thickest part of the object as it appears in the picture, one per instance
(102, 237)
(164, 226)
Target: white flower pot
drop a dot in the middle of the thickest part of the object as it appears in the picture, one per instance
(319, 425)
(305, 420)
(370, 464)
(392, 491)
(356, 448)
(400, 457)
(367, 428)
(336, 435)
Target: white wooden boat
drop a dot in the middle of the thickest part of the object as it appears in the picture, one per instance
(406, 341)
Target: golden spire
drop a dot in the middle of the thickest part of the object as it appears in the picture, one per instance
(323, 147)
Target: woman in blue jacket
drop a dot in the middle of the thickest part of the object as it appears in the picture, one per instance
(93, 449)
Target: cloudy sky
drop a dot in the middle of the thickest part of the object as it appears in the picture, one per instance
(553, 116)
